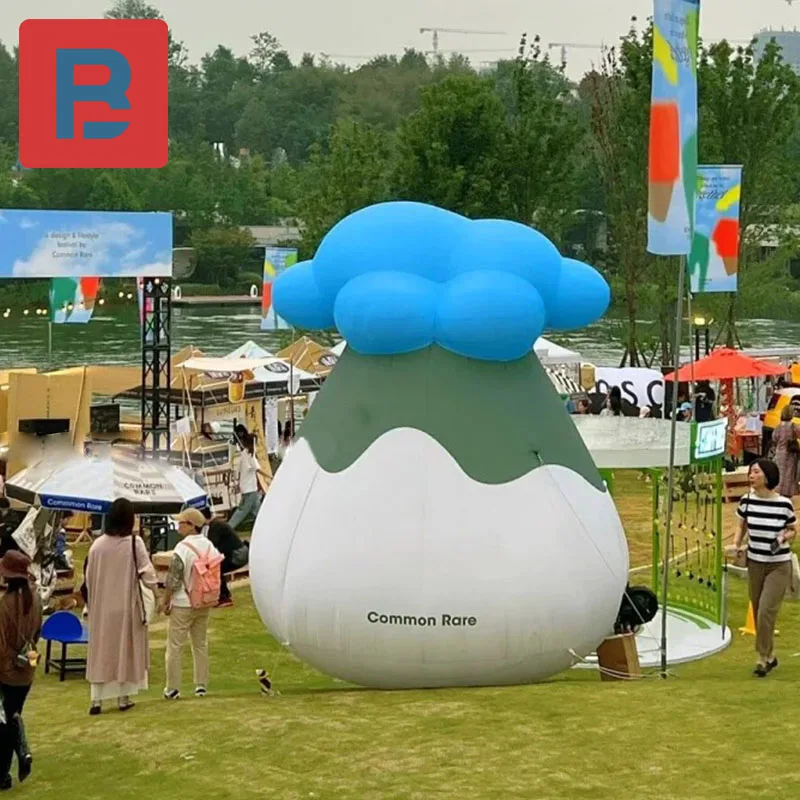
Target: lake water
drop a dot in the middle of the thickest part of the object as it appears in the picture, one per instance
(113, 337)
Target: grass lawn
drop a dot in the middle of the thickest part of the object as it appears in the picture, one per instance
(712, 731)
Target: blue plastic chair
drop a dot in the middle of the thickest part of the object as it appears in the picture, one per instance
(65, 629)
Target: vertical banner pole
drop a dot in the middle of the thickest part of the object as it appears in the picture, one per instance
(671, 474)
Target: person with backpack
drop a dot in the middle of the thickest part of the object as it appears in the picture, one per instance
(192, 590)
(235, 553)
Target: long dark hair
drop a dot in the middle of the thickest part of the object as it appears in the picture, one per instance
(22, 585)
(121, 518)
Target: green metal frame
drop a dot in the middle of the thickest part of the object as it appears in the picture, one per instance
(707, 602)
(680, 594)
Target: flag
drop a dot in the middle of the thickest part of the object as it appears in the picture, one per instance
(672, 168)
(714, 260)
(276, 260)
(72, 299)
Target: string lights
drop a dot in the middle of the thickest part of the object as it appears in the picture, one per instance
(66, 307)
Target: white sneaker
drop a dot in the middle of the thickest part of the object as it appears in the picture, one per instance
(172, 694)
(200, 691)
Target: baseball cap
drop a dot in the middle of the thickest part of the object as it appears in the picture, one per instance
(192, 516)
(686, 407)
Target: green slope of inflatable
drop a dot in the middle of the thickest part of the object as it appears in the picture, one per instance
(498, 421)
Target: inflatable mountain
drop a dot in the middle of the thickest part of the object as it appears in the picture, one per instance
(439, 521)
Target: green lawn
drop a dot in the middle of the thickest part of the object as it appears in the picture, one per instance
(711, 731)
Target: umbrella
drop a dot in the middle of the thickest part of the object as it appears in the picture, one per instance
(92, 485)
(726, 364)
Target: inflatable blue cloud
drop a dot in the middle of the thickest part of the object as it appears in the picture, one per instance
(397, 277)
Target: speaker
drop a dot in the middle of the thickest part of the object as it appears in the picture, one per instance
(105, 417)
(43, 427)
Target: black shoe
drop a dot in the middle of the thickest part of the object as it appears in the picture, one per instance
(760, 671)
(6, 783)
(21, 748)
(772, 664)
(94, 710)
(25, 768)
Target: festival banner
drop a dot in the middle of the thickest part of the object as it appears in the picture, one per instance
(638, 385)
(276, 260)
(714, 261)
(74, 244)
(72, 300)
(673, 127)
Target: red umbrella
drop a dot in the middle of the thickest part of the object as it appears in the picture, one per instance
(726, 364)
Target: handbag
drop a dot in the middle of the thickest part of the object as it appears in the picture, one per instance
(147, 597)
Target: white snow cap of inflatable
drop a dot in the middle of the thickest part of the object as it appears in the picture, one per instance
(401, 571)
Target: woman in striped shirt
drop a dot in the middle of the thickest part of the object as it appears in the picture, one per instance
(768, 520)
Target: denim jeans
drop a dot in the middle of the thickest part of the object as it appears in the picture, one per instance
(249, 505)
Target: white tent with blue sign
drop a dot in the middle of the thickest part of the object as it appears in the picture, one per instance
(92, 484)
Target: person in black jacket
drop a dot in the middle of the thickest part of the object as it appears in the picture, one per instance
(235, 552)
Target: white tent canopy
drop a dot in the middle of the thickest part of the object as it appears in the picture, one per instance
(548, 352)
(225, 366)
(633, 443)
(551, 353)
(272, 368)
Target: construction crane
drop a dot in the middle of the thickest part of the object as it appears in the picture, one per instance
(347, 57)
(572, 46)
(437, 31)
(462, 51)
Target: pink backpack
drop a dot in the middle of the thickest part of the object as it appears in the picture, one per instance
(205, 579)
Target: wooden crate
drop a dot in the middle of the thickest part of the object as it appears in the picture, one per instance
(735, 485)
(618, 658)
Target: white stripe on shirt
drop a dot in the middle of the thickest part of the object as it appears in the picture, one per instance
(766, 518)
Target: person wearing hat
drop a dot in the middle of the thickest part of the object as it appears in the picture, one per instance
(186, 622)
(685, 412)
(20, 626)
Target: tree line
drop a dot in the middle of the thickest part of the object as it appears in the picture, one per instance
(257, 139)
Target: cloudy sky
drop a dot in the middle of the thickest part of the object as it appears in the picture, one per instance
(366, 27)
(56, 243)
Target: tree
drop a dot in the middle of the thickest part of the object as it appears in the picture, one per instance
(292, 110)
(132, 9)
(451, 152)
(139, 9)
(386, 90)
(221, 251)
(620, 96)
(267, 55)
(111, 192)
(226, 92)
(542, 159)
(9, 98)
(350, 173)
(244, 196)
(750, 110)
